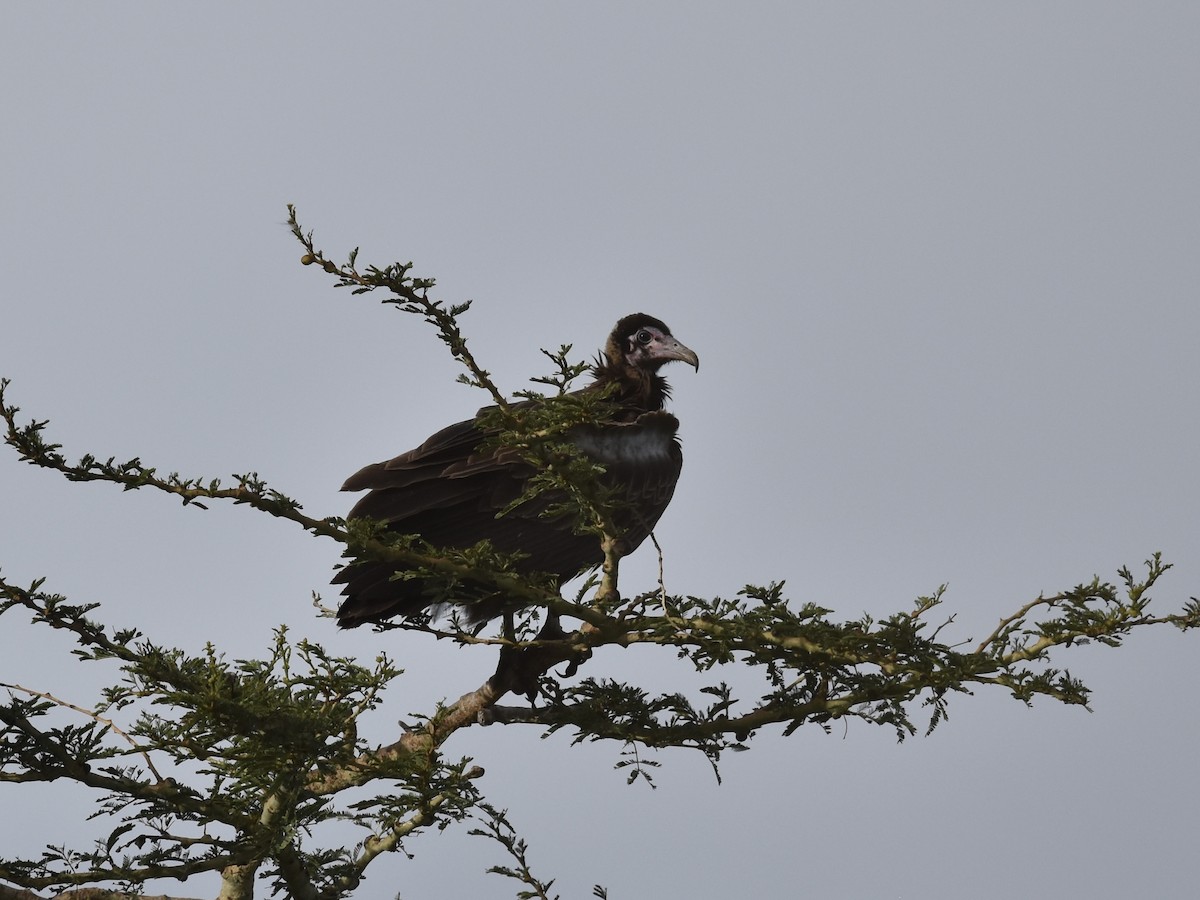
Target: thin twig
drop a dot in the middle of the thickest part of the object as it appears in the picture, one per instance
(91, 715)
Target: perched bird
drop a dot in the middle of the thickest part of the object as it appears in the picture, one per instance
(451, 490)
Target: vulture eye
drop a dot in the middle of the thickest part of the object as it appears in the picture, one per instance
(643, 337)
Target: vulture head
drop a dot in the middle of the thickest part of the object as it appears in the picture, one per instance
(638, 347)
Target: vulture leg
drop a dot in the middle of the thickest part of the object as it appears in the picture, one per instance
(520, 667)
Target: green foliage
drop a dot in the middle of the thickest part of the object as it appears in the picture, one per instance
(496, 827)
(268, 746)
(254, 768)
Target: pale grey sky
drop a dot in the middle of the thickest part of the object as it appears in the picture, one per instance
(940, 260)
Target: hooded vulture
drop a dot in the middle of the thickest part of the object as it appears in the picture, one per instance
(451, 490)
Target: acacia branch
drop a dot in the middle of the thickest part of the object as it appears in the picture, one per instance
(411, 295)
(108, 723)
(465, 711)
(252, 491)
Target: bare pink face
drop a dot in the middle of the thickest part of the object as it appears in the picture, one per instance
(649, 347)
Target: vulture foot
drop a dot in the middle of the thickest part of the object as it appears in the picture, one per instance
(520, 667)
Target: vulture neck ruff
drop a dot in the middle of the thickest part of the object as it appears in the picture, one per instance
(637, 389)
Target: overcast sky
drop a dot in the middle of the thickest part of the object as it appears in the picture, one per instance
(940, 261)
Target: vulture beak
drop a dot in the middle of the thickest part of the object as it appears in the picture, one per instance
(670, 349)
